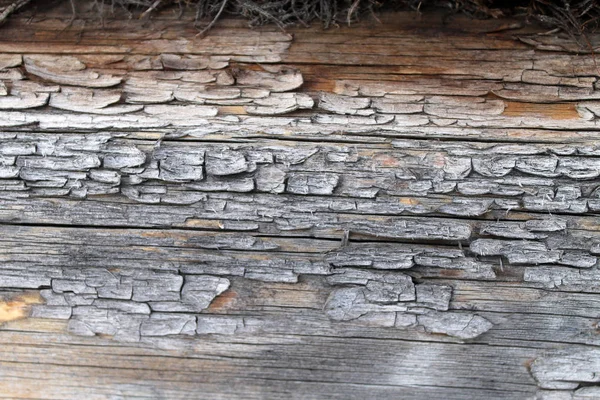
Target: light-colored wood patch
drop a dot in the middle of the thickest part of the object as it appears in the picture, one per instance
(204, 223)
(18, 307)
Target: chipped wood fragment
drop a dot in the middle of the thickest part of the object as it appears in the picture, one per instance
(90, 101)
(280, 103)
(67, 70)
(23, 101)
(273, 79)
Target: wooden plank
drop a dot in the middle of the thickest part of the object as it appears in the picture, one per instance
(404, 209)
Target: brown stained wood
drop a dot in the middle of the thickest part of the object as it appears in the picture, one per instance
(404, 209)
(550, 111)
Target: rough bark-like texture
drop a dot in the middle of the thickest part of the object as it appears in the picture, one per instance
(404, 210)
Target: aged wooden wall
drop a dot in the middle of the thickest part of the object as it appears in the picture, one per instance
(397, 210)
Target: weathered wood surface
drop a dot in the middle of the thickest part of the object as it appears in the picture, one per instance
(396, 210)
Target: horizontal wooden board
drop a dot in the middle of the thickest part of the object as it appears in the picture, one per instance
(401, 209)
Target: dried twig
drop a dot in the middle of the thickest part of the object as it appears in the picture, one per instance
(11, 8)
(575, 17)
(203, 31)
(150, 9)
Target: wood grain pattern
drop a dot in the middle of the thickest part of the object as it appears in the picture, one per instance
(394, 210)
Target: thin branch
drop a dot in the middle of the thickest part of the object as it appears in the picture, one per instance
(212, 23)
(352, 10)
(150, 9)
(11, 8)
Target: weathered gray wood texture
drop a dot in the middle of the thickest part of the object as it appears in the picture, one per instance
(396, 210)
